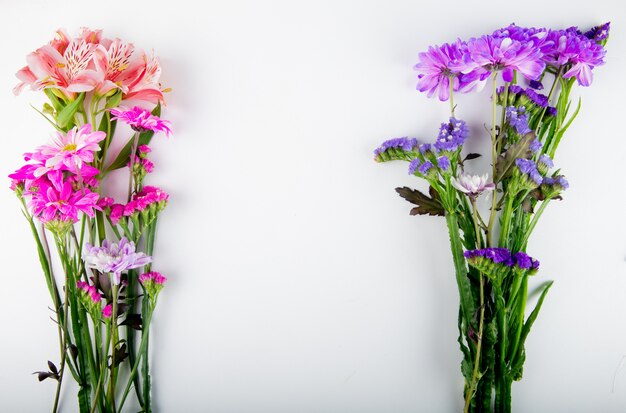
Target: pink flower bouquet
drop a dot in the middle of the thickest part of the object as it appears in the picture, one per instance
(105, 292)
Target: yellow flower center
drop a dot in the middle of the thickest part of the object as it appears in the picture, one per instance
(69, 147)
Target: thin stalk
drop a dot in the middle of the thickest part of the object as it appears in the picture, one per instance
(451, 96)
(114, 339)
(494, 158)
(473, 383)
(534, 221)
(132, 164)
(142, 346)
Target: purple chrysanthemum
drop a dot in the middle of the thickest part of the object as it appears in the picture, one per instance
(141, 120)
(491, 53)
(452, 135)
(114, 257)
(435, 71)
(581, 55)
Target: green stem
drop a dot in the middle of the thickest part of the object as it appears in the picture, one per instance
(142, 346)
(473, 383)
(494, 158)
(114, 340)
(533, 223)
(451, 96)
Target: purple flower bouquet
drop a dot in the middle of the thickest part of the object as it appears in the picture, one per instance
(491, 265)
(105, 292)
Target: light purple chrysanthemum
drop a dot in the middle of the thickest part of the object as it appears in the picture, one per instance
(141, 120)
(114, 257)
(472, 185)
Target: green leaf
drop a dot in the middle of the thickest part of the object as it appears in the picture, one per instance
(65, 117)
(144, 138)
(506, 161)
(114, 100)
(425, 204)
(54, 100)
(519, 357)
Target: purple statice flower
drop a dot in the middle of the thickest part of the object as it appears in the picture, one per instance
(513, 90)
(599, 33)
(561, 181)
(405, 143)
(114, 257)
(415, 163)
(452, 135)
(525, 261)
(518, 119)
(435, 71)
(141, 120)
(443, 162)
(495, 255)
(545, 163)
(535, 84)
(425, 167)
(472, 185)
(535, 145)
(537, 98)
(491, 53)
(551, 111)
(548, 180)
(529, 169)
(427, 147)
(574, 50)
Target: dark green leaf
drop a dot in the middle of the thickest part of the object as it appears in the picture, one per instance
(425, 204)
(506, 161)
(471, 156)
(52, 367)
(133, 321)
(114, 101)
(65, 117)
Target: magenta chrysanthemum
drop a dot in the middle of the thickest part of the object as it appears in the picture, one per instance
(60, 202)
(141, 120)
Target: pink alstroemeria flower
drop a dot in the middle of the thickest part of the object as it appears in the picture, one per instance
(72, 149)
(147, 87)
(63, 203)
(71, 71)
(121, 65)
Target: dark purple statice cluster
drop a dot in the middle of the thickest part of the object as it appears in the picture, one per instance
(529, 98)
(465, 65)
(490, 260)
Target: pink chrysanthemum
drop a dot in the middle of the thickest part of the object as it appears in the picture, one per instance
(141, 120)
(72, 149)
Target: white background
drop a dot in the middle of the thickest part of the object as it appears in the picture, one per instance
(297, 280)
